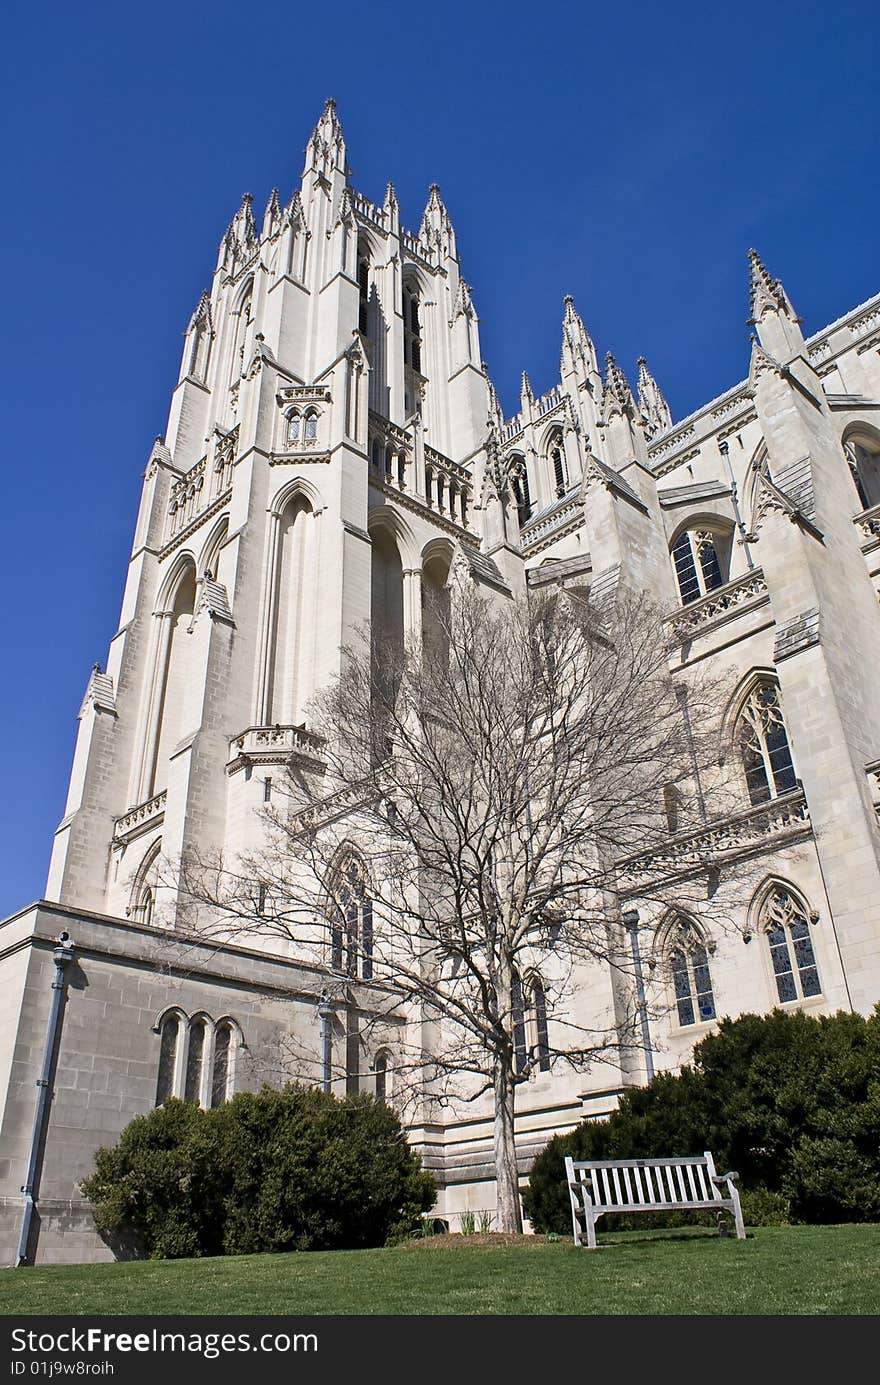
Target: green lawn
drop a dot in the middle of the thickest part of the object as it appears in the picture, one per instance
(804, 1269)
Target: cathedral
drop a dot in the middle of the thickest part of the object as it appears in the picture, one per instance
(323, 467)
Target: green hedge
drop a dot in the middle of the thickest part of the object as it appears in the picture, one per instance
(791, 1101)
(294, 1169)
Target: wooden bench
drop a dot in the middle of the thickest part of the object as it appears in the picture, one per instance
(647, 1185)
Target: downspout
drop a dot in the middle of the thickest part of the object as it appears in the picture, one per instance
(62, 956)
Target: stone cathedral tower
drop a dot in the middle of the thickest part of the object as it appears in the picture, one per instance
(334, 446)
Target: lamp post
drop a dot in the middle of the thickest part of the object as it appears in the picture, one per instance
(325, 1014)
(631, 924)
(62, 957)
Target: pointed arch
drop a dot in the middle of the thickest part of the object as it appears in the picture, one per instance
(292, 599)
(682, 949)
(349, 908)
(781, 917)
(172, 673)
(209, 559)
(142, 897)
(861, 448)
(754, 730)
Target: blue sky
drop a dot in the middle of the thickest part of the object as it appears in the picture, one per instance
(628, 155)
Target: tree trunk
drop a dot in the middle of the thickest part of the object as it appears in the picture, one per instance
(508, 1209)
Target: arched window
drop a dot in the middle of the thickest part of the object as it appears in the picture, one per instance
(518, 1024)
(375, 454)
(763, 745)
(363, 275)
(169, 1037)
(702, 562)
(381, 1069)
(691, 979)
(242, 323)
(311, 428)
(220, 1066)
(195, 1056)
(351, 928)
(541, 1037)
(520, 484)
(786, 926)
(863, 455)
(294, 428)
(412, 328)
(557, 461)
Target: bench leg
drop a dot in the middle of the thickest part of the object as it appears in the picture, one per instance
(591, 1230)
(737, 1214)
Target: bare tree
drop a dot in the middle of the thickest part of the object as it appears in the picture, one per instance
(493, 783)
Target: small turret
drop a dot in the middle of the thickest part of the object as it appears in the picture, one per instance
(617, 393)
(578, 352)
(436, 229)
(652, 404)
(241, 238)
(325, 151)
(272, 216)
(772, 314)
(526, 394)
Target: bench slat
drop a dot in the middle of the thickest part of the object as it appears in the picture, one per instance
(692, 1182)
(635, 1163)
(637, 1174)
(670, 1185)
(616, 1179)
(596, 1197)
(606, 1193)
(627, 1184)
(679, 1174)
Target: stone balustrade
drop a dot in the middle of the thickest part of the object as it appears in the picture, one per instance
(739, 834)
(869, 524)
(719, 605)
(275, 745)
(139, 819)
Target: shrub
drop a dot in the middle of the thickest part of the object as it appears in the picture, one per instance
(760, 1207)
(294, 1169)
(791, 1101)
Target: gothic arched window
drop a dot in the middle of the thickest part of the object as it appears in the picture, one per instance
(763, 746)
(520, 485)
(702, 562)
(195, 1056)
(221, 1064)
(380, 1068)
(787, 929)
(518, 1024)
(169, 1037)
(363, 276)
(689, 970)
(311, 427)
(412, 328)
(541, 1044)
(351, 928)
(557, 461)
(863, 455)
(294, 428)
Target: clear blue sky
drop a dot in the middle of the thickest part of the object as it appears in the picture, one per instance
(626, 154)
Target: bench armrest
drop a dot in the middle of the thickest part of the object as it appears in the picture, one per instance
(581, 1190)
(729, 1177)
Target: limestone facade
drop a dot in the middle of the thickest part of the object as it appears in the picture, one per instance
(325, 461)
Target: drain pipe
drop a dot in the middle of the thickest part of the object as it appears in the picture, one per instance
(325, 1014)
(631, 924)
(62, 956)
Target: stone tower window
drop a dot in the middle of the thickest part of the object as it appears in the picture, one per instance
(560, 470)
(702, 563)
(863, 456)
(787, 929)
(363, 278)
(168, 1041)
(763, 746)
(351, 928)
(688, 959)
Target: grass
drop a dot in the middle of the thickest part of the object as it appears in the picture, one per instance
(801, 1270)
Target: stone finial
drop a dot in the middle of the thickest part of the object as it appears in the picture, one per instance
(652, 404)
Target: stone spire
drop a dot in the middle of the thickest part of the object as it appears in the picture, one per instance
(578, 352)
(325, 151)
(241, 237)
(526, 394)
(772, 313)
(652, 405)
(436, 229)
(617, 392)
(496, 415)
(272, 215)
